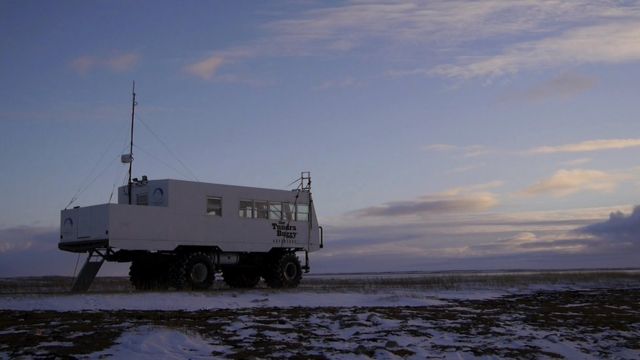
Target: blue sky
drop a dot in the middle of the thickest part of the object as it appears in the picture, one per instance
(440, 135)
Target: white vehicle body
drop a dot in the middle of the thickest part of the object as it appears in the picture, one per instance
(167, 214)
(180, 233)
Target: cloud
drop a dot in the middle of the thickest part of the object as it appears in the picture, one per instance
(433, 204)
(476, 150)
(619, 228)
(563, 86)
(347, 82)
(33, 251)
(576, 162)
(609, 44)
(352, 24)
(516, 240)
(525, 242)
(21, 238)
(568, 182)
(587, 146)
(116, 63)
(440, 147)
(122, 63)
(208, 68)
(465, 168)
(83, 64)
(457, 200)
(205, 69)
(466, 151)
(446, 32)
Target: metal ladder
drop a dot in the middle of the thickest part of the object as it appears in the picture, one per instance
(89, 271)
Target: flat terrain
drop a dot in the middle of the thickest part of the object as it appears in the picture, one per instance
(389, 316)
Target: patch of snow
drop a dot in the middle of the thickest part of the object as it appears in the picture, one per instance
(152, 343)
(11, 331)
(194, 301)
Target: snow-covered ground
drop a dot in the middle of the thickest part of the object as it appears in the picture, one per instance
(586, 320)
(193, 301)
(154, 343)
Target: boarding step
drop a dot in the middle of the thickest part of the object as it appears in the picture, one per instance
(88, 272)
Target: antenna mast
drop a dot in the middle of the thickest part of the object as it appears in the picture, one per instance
(133, 110)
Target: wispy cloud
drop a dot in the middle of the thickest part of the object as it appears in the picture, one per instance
(563, 86)
(205, 69)
(115, 63)
(568, 182)
(476, 150)
(576, 162)
(208, 68)
(440, 147)
(351, 25)
(466, 151)
(608, 44)
(555, 33)
(83, 64)
(466, 168)
(528, 242)
(346, 82)
(471, 151)
(122, 63)
(456, 200)
(587, 146)
(438, 204)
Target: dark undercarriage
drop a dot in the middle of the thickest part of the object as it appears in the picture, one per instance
(195, 268)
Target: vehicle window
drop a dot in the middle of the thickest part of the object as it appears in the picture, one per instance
(262, 210)
(288, 212)
(214, 206)
(302, 212)
(275, 210)
(246, 209)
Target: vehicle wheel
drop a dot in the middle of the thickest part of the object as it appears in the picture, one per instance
(138, 275)
(241, 278)
(193, 271)
(148, 273)
(284, 271)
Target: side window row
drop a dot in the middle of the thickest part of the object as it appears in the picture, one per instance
(255, 209)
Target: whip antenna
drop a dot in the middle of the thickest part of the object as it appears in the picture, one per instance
(128, 158)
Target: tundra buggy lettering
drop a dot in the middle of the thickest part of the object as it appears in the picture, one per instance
(286, 231)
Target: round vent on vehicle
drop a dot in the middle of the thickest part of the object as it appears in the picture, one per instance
(158, 195)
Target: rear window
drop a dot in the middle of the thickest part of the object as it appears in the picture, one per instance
(214, 206)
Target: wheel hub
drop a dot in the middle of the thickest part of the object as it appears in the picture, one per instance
(199, 273)
(290, 271)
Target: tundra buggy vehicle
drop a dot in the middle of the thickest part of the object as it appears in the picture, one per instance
(180, 233)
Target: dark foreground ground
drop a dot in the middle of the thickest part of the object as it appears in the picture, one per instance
(595, 323)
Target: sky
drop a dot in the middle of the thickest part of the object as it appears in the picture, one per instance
(440, 135)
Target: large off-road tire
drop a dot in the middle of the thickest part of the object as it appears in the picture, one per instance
(149, 273)
(192, 271)
(283, 271)
(241, 278)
